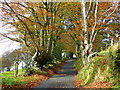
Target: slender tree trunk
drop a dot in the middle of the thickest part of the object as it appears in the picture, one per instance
(50, 46)
(78, 50)
(16, 68)
(85, 29)
(112, 41)
(43, 38)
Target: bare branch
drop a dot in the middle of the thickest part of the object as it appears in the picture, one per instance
(90, 7)
(13, 39)
(111, 12)
(31, 35)
(33, 13)
(93, 29)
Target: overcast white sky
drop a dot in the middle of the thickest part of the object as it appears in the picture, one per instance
(5, 44)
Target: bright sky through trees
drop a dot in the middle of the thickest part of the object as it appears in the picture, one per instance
(5, 44)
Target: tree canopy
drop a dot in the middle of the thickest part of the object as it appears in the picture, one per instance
(45, 28)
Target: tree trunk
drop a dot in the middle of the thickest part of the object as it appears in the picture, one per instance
(112, 41)
(78, 50)
(85, 44)
(16, 68)
(50, 46)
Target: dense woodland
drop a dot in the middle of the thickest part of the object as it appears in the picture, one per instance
(45, 30)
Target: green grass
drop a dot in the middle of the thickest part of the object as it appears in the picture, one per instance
(20, 70)
(9, 79)
(17, 81)
(9, 73)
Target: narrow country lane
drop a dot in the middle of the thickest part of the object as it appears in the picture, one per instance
(64, 79)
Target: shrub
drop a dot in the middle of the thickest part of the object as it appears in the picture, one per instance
(99, 69)
(102, 67)
(78, 64)
(33, 70)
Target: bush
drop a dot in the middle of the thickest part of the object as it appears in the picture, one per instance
(103, 67)
(99, 69)
(65, 58)
(78, 64)
(34, 70)
(102, 53)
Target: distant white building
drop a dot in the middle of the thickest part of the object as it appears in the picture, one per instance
(63, 54)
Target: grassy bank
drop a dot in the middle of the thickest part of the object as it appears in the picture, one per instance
(11, 82)
(103, 71)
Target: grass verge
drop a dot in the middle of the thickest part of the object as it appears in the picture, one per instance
(10, 82)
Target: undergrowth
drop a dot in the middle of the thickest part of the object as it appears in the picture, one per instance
(9, 79)
(103, 67)
(23, 75)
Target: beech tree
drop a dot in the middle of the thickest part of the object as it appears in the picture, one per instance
(87, 22)
(94, 21)
(35, 27)
(41, 25)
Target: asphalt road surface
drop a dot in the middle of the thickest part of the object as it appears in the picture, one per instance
(64, 79)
